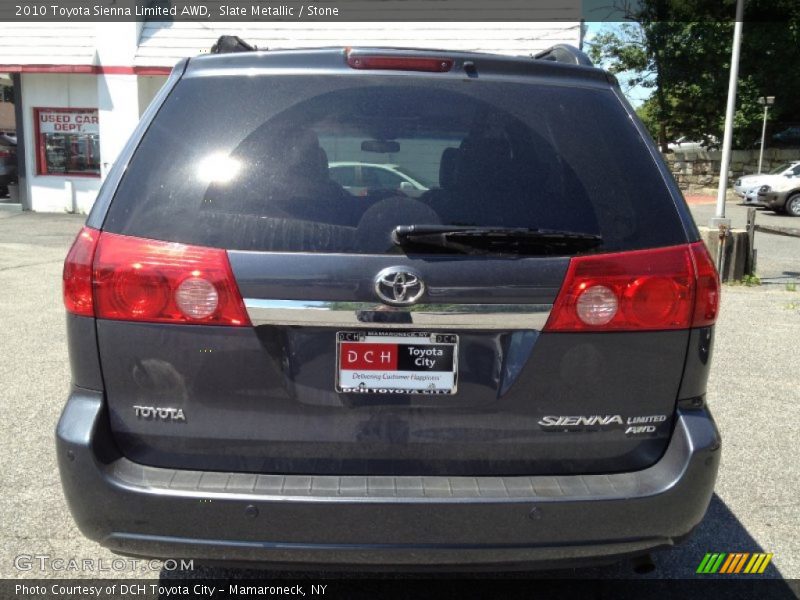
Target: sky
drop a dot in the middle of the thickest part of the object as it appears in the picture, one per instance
(636, 95)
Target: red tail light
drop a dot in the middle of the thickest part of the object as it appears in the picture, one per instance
(77, 276)
(665, 288)
(147, 280)
(112, 276)
(706, 305)
(5, 154)
(430, 64)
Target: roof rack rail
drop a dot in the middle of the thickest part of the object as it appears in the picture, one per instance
(231, 43)
(564, 53)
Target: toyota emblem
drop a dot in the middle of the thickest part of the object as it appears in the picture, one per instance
(398, 286)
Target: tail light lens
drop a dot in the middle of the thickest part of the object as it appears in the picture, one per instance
(77, 275)
(665, 288)
(134, 279)
(597, 305)
(148, 280)
(706, 305)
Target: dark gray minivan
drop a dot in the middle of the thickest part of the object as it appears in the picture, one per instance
(507, 370)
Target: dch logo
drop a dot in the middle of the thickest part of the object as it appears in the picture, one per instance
(370, 357)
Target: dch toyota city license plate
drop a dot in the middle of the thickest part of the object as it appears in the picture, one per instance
(400, 362)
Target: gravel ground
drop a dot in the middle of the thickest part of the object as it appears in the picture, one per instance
(753, 393)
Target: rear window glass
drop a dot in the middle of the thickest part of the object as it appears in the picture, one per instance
(335, 163)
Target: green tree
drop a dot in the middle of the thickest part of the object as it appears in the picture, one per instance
(686, 62)
(647, 113)
(643, 51)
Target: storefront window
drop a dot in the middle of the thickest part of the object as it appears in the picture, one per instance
(68, 141)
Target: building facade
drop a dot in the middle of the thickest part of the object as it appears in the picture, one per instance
(81, 88)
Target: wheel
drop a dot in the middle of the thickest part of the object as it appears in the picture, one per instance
(793, 205)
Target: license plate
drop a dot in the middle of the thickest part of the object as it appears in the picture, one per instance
(396, 362)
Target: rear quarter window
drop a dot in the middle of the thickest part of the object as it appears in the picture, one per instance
(245, 163)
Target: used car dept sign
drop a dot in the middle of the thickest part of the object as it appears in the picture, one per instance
(51, 121)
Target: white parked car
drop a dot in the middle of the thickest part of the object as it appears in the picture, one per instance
(747, 187)
(360, 178)
(686, 144)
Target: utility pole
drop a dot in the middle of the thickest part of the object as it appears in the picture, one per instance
(766, 102)
(719, 219)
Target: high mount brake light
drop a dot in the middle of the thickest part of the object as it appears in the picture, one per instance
(431, 64)
(112, 276)
(644, 290)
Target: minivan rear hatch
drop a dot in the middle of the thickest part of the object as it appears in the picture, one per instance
(398, 241)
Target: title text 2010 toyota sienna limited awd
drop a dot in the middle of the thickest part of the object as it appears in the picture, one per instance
(508, 369)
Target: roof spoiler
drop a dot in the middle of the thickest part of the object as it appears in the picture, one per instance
(231, 43)
(564, 53)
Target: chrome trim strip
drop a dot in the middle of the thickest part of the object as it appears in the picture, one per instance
(322, 313)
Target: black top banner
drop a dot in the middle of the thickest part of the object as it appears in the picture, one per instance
(385, 10)
(293, 10)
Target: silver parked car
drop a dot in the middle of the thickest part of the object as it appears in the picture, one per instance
(748, 186)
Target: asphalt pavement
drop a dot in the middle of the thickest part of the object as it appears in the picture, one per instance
(753, 393)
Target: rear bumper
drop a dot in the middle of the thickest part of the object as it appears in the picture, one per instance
(383, 522)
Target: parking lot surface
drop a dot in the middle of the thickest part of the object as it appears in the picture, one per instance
(753, 393)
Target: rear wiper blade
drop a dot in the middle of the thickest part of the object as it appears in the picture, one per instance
(470, 238)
